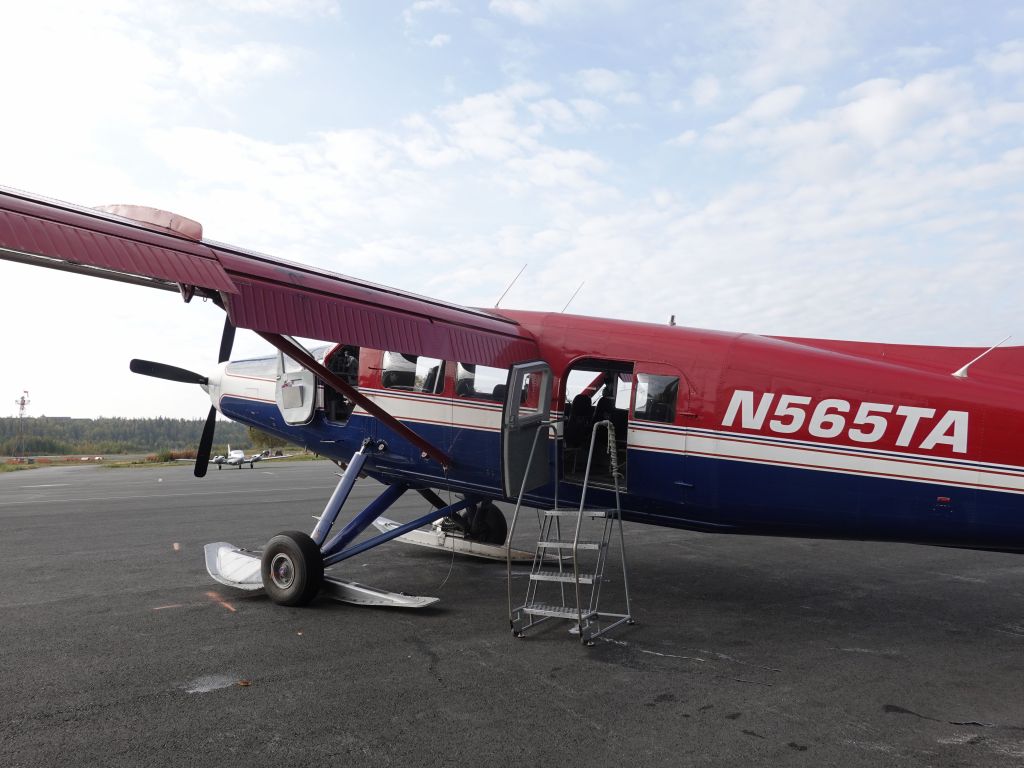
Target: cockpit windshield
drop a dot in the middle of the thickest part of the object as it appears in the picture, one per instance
(257, 367)
(266, 367)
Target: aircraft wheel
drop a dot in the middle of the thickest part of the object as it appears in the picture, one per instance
(292, 568)
(489, 524)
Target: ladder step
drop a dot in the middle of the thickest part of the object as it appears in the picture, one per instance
(558, 611)
(559, 544)
(594, 513)
(551, 574)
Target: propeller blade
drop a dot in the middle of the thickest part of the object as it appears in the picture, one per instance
(205, 444)
(169, 372)
(227, 340)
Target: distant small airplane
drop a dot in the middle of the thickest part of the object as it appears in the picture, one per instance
(233, 458)
(237, 458)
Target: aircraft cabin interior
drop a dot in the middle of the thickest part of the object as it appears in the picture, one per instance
(592, 391)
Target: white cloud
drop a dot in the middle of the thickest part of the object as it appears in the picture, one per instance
(425, 145)
(555, 113)
(439, 41)
(918, 54)
(589, 110)
(409, 15)
(616, 86)
(569, 169)
(706, 90)
(487, 125)
(1008, 59)
(937, 108)
(216, 71)
(775, 104)
(684, 139)
(879, 110)
(292, 8)
(767, 108)
(541, 12)
(788, 39)
(525, 11)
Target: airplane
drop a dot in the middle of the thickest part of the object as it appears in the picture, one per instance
(706, 430)
(237, 458)
(233, 458)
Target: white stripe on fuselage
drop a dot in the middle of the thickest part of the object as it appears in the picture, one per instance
(650, 437)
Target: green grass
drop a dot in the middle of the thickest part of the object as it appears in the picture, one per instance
(18, 467)
(143, 464)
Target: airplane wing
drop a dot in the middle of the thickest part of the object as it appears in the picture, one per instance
(258, 292)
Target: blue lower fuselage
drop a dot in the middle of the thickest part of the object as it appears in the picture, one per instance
(680, 489)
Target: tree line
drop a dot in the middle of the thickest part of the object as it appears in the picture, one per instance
(47, 435)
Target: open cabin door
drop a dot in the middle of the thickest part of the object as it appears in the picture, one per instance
(295, 391)
(527, 407)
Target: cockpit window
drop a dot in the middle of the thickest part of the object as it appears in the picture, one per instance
(260, 367)
(266, 367)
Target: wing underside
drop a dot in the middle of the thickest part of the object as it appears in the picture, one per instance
(261, 293)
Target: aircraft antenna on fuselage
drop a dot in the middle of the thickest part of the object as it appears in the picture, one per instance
(962, 372)
(572, 297)
(511, 284)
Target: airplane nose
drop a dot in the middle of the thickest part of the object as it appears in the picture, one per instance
(213, 381)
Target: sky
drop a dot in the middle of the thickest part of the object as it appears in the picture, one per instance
(849, 170)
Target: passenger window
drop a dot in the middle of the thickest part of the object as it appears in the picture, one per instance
(481, 382)
(656, 398)
(412, 373)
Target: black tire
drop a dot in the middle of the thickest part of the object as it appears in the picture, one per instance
(488, 525)
(292, 568)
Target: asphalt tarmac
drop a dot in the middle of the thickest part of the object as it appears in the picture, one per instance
(116, 648)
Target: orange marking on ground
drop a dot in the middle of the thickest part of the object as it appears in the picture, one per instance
(221, 601)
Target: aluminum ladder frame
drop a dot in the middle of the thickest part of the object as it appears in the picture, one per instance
(587, 618)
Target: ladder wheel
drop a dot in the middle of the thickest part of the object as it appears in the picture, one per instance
(292, 568)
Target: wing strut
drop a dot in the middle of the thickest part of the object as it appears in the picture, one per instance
(336, 383)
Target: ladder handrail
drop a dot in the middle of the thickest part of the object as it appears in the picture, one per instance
(583, 502)
(551, 425)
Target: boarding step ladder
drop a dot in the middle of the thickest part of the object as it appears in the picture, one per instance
(570, 563)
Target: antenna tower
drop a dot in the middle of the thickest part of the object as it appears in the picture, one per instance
(22, 403)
